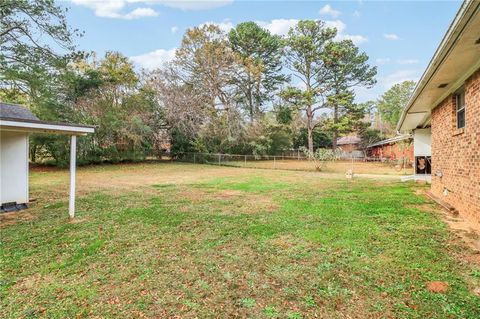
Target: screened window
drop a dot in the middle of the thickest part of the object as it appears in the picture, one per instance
(460, 108)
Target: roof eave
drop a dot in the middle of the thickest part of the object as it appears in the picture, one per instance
(455, 28)
(45, 127)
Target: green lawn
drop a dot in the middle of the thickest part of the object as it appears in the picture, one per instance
(185, 241)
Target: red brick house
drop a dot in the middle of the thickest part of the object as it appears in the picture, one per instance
(443, 115)
(392, 149)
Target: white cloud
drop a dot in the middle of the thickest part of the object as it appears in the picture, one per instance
(356, 13)
(391, 36)
(174, 29)
(281, 27)
(155, 59)
(113, 8)
(341, 27)
(356, 39)
(382, 61)
(226, 25)
(278, 26)
(328, 10)
(407, 61)
(141, 12)
(399, 76)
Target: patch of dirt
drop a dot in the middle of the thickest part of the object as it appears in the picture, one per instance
(250, 204)
(473, 259)
(226, 194)
(77, 220)
(31, 282)
(437, 286)
(476, 291)
(284, 241)
(420, 192)
(466, 230)
(194, 194)
(11, 218)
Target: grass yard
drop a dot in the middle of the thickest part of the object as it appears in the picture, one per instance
(186, 241)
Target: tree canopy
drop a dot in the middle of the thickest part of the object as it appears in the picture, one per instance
(260, 54)
(34, 40)
(392, 102)
(246, 91)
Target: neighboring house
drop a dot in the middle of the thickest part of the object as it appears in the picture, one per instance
(394, 148)
(16, 122)
(350, 147)
(444, 115)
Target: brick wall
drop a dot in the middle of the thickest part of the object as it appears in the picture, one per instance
(456, 153)
(393, 151)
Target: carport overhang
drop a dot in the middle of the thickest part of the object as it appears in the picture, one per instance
(455, 60)
(36, 126)
(32, 126)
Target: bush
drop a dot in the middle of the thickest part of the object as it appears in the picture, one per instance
(320, 157)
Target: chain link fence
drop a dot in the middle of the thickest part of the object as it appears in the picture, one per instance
(298, 162)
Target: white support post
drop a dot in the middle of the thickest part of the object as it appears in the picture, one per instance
(73, 160)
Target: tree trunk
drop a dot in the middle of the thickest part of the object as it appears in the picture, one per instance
(310, 138)
(335, 133)
(310, 128)
(250, 100)
(334, 140)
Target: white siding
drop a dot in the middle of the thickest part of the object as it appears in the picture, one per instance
(13, 167)
(422, 142)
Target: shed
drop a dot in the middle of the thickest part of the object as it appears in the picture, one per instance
(16, 123)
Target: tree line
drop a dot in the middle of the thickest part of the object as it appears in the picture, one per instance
(245, 92)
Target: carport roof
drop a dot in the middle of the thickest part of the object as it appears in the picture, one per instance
(14, 117)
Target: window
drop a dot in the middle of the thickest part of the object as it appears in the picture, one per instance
(460, 108)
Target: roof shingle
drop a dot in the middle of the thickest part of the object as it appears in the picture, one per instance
(15, 111)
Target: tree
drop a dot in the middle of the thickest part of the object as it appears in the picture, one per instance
(347, 68)
(320, 139)
(369, 136)
(34, 41)
(320, 157)
(206, 62)
(260, 57)
(391, 103)
(108, 94)
(304, 49)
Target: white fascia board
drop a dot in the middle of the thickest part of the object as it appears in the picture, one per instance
(9, 125)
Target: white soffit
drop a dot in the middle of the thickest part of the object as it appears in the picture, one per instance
(412, 119)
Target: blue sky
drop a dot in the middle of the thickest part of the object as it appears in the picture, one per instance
(399, 36)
